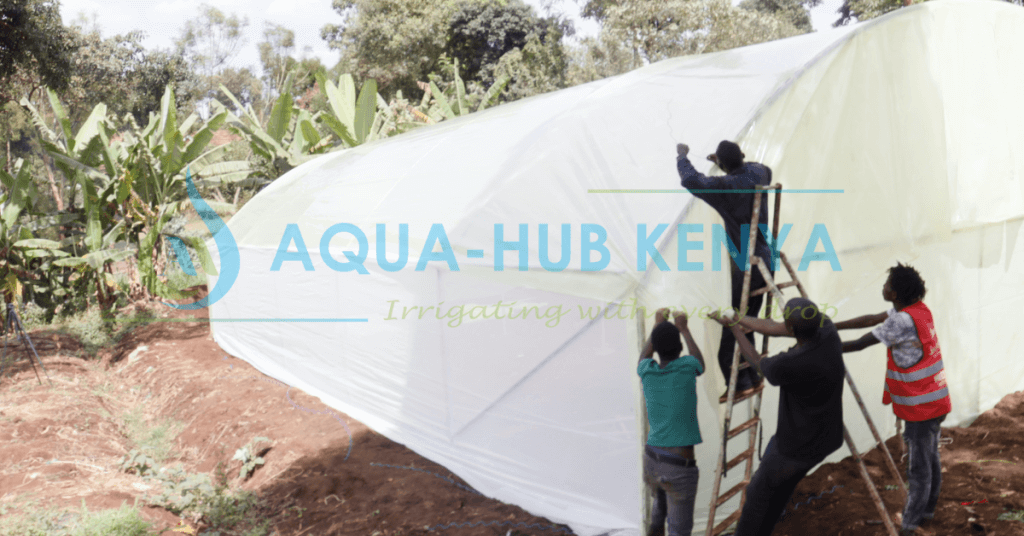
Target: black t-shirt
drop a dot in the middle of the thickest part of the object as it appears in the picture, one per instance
(811, 395)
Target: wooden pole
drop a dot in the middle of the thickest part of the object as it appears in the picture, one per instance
(871, 485)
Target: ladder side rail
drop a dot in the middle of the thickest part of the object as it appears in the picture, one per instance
(792, 274)
(754, 403)
(874, 431)
(734, 374)
(879, 505)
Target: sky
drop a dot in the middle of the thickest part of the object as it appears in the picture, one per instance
(162, 20)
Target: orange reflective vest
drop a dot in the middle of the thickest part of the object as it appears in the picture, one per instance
(919, 393)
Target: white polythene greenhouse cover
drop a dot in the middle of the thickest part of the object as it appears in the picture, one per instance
(516, 371)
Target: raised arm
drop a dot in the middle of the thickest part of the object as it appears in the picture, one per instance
(868, 339)
(865, 321)
(648, 351)
(692, 179)
(684, 330)
(765, 326)
(746, 347)
(760, 325)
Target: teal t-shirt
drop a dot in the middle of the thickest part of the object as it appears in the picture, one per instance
(671, 395)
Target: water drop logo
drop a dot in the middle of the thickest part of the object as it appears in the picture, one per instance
(226, 246)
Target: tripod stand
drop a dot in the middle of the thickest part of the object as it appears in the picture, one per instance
(12, 326)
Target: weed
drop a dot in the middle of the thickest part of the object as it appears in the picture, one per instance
(1012, 515)
(124, 521)
(248, 456)
(155, 441)
(182, 491)
(139, 462)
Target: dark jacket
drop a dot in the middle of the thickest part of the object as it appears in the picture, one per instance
(735, 208)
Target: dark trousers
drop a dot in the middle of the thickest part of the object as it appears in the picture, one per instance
(675, 492)
(769, 490)
(748, 377)
(924, 470)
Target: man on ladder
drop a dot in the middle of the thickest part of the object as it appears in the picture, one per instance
(810, 422)
(735, 206)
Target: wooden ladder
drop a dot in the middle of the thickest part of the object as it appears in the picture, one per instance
(753, 423)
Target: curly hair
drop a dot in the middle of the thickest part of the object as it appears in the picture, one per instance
(906, 283)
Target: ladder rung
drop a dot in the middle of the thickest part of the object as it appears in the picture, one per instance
(729, 494)
(726, 523)
(749, 453)
(743, 427)
(780, 286)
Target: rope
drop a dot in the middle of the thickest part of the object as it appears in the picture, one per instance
(538, 526)
(446, 479)
(287, 395)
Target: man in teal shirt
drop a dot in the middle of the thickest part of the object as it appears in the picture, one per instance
(670, 391)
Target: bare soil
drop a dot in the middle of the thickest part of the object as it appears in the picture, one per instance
(328, 474)
(325, 473)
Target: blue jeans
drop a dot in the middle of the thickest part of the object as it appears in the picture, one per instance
(769, 490)
(675, 490)
(924, 470)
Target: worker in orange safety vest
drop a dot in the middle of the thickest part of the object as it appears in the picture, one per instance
(915, 384)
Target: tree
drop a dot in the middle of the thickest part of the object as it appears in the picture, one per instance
(209, 42)
(599, 57)
(795, 11)
(395, 42)
(658, 29)
(119, 72)
(861, 10)
(480, 33)
(35, 47)
(276, 56)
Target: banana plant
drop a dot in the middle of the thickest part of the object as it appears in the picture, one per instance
(453, 102)
(288, 139)
(18, 266)
(136, 181)
(354, 118)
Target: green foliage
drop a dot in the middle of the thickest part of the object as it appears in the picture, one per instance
(127, 189)
(119, 72)
(208, 42)
(480, 33)
(155, 441)
(123, 521)
(395, 42)
(284, 141)
(139, 462)
(654, 30)
(204, 498)
(248, 456)
(861, 10)
(33, 42)
(795, 11)
(1012, 515)
(229, 511)
(181, 491)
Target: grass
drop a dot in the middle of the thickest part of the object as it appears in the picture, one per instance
(156, 441)
(90, 327)
(123, 521)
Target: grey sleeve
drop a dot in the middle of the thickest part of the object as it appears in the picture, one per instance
(898, 332)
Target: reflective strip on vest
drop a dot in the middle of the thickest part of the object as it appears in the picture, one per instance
(908, 377)
(919, 399)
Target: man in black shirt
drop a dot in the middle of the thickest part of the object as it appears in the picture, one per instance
(810, 424)
(731, 195)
